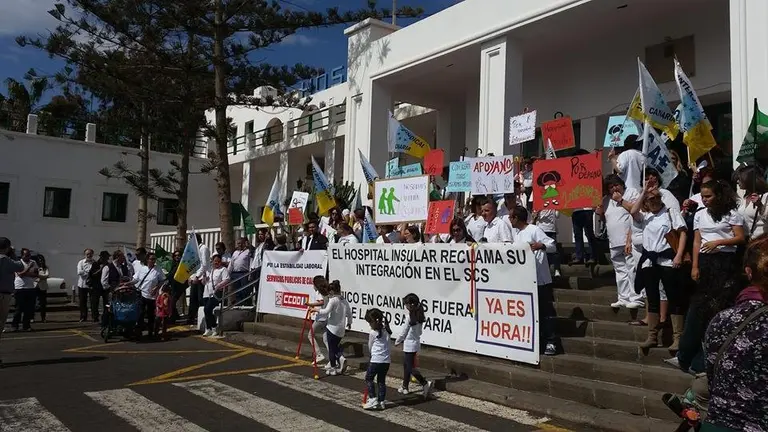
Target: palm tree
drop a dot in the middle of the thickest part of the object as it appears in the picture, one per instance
(23, 99)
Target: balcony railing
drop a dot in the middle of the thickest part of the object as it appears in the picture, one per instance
(211, 236)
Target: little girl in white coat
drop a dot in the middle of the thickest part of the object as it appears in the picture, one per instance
(410, 337)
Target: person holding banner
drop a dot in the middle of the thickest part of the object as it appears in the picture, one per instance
(346, 234)
(459, 232)
(496, 230)
(475, 223)
(540, 244)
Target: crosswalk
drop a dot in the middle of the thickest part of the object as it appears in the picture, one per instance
(277, 400)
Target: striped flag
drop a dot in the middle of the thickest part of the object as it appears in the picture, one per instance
(370, 173)
(654, 107)
(323, 189)
(402, 140)
(697, 130)
(190, 260)
(272, 207)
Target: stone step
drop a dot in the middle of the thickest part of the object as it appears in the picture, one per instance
(600, 295)
(607, 330)
(570, 377)
(619, 350)
(597, 312)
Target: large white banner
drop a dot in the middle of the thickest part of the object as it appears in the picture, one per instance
(286, 286)
(497, 315)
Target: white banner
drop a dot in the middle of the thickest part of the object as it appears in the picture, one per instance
(286, 286)
(399, 200)
(492, 175)
(496, 316)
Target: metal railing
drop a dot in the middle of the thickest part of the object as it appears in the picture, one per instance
(228, 295)
(211, 236)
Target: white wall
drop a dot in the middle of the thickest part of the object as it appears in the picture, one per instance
(31, 163)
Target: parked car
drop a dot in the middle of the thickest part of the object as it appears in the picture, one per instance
(56, 285)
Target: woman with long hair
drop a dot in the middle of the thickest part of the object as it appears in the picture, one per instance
(718, 232)
(754, 203)
(459, 233)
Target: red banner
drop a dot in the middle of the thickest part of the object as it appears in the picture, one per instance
(295, 216)
(568, 183)
(433, 162)
(560, 132)
(440, 217)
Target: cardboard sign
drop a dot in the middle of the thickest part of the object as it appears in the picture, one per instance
(401, 200)
(295, 216)
(410, 170)
(619, 128)
(568, 183)
(560, 132)
(392, 168)
(493, 175)
(433, 162)
(522, 128)
(440, 217)
(459, 177)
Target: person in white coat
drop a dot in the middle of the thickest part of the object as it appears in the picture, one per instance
(540, 244)
(336, 312)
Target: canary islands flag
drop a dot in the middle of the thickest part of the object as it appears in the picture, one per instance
(190, 260)
(323, 189)
(402, 140)
(369, 229)
(272, 207)
(654, 106)
(697, 130)
(370, 173)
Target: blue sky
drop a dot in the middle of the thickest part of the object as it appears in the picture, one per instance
(325, 48)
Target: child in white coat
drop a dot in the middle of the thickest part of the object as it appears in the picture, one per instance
(335, 312)
(410, 337)
(378, 346)
(319, 326)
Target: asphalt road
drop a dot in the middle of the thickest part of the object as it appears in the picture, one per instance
(62, 377)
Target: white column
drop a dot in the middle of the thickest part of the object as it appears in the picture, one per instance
(32, 124)
(749, 63)
(501, 92)
(330, 160)
(444, 137)
(372, 140)
(283, 176)
(90, 132)
(246, 186)
(351, 157)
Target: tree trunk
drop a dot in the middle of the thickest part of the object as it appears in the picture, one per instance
(141, 222)
(181, 228)
(222, 128)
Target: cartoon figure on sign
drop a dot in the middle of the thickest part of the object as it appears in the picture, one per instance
(445, 215)
(550, 180)
(383, 201)
(390, 199)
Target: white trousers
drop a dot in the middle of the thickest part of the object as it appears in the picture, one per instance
(637, 250)
(624, 266)
(318, 327)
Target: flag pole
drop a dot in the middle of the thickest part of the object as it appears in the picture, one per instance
(646, 134)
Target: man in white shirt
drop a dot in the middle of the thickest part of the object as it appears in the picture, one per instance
(148, 281)
(540, 244)
(496, 230)
(239, 266)
(197, 281)
(140, 261)
(26, 292)
(629, 163)
(84, 283)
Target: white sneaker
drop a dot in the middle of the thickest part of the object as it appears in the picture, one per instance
(427, 390)
(208, 333)
(635, 305)
(403, 391)
(319, 358)
(342, 364)
(332, 371)
(371, 404)
(618, 304)
(328, 366)
(557, 273)
(382, 405)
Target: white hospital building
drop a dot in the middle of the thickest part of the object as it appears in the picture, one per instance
(455, 78)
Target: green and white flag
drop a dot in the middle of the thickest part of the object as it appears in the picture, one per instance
(757, 134)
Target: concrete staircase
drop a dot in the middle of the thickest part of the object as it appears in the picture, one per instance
(602, 379)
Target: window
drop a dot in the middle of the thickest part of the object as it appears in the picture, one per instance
(166, 211)
(113, 207)
(56, 202)
(5, 196)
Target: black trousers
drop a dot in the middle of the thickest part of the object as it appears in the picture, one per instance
(96, 295)
(147, 313)
(42, 300)
(178, 291)
(210, 316)
(25, 308)
(195, 301)
(410, 368)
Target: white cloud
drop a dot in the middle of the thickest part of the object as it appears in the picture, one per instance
(301, 40)
(26, 16)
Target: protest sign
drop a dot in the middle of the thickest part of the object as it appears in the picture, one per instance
(568, 183)
(392, 168)
(522, 128)
(505, 319)
(433, 162)
(619, 128)
(440, 217)
(560, 132)
(410, 170)
(285, 286)
(299, 200)
(398, 200)
(492, 175)
(459, 176)
(658, 157)
(295, 216)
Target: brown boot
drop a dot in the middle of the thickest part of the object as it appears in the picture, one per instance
(677, 330)
(653, 332)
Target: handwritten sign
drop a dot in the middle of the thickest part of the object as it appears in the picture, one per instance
(492, 175)
(459, 176)
(295, 216)
(560, 132)
(522, 128)
(440, 217)
(401, 200)
(433, 162)
(299, 200)
(619, 128)
(568, 183)
(392, 168)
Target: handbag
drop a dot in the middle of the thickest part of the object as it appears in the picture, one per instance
(673, 236)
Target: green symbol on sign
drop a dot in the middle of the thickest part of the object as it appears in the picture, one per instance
(386, 202)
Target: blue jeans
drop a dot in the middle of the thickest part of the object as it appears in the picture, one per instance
(378, 370)
(239, 281)
(583, 223)
(409, 360)
(334, 348)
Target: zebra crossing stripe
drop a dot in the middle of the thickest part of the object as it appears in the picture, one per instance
(28, 415)
(400, 415)
(142, 413)
(263, 411)
(485, 407)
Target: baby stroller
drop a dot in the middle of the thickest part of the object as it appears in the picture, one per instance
(122, 314)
